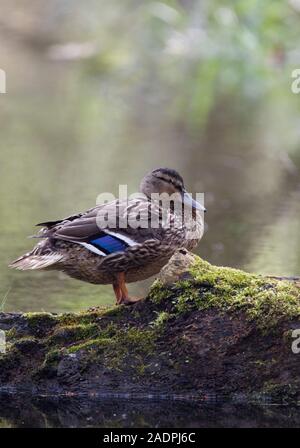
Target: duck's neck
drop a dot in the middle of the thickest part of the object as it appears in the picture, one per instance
(194, 229)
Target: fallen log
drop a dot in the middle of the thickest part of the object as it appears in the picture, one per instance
(203, 331)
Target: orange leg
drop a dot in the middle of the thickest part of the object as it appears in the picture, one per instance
(118, 293)
(121, 291)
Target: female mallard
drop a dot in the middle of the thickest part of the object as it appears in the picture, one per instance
(89, 248)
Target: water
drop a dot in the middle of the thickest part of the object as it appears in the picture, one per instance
(95, 111)
(82, 413)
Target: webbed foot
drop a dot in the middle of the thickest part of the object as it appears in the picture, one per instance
(121, 291)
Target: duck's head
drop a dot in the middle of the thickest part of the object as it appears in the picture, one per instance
(167, 180)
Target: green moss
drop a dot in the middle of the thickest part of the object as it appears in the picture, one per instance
(11, 334)
(109, 341)
(73, 333)
(265, 301)
(39, 319)
(161, 318)
(129, 348)
(83, 318)
(207, 274)
(137, 339)
(40, 323)
(104, 338)
(49, 366)
(158, 293)
(115, 311)
(116, 345)
(188, 297)
(52, 358)
(91, 345)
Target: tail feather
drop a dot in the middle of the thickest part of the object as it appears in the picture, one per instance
(32, 261)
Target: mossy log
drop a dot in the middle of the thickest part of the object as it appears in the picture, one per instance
(202, 331)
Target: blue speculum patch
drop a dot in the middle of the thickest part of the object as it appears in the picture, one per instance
(109, 244)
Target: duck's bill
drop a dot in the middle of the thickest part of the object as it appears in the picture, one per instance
(190, 202)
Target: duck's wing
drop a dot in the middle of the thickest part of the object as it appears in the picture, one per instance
(52, 224)
(111, 227)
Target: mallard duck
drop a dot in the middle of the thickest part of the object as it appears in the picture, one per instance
(85, 249)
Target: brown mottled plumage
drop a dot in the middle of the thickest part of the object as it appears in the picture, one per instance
(77, 245)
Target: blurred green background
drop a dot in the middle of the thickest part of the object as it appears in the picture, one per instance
(99, 93)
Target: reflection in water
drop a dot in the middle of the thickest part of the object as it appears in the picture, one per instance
(67, 412)
(86, 110)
